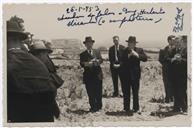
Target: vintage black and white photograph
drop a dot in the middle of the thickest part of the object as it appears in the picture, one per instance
(97, 64)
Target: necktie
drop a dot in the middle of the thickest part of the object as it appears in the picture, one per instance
(116, 57)
(90, 52)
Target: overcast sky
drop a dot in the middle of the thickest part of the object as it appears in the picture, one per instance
(41, 20)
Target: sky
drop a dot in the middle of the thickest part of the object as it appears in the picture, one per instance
(41, 20)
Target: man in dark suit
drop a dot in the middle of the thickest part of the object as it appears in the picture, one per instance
(90, 60)
(115, 53)
(179, 75)
(165, 59)
(131, 68)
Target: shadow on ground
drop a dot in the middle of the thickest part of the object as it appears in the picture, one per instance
(161, 114)
(79, 112)
(119, 113)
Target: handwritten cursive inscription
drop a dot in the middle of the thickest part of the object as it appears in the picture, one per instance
(178, 21)
(78, 16)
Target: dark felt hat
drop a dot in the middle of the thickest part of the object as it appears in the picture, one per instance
(88, 39)
(132, 39)
(16, 29)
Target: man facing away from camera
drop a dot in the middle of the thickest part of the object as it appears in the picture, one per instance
(30, 94)
(39, 50)
(131, 58)
(90, 60)
(115, 53)
(164, 58)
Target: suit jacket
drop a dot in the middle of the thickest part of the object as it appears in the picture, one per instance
(112, 54)
(131, 66)
(179, 68)
(93, 72)
(161, 56)
(165, 57)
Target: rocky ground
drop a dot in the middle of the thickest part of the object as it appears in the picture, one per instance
(74, 106)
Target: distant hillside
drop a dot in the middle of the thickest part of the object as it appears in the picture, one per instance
(152, 50)
(67, 44)
(66, 48)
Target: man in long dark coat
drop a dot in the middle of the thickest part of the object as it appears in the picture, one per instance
(39, 50)
(131, 68)
(90, 60)
(30, 94)
(115, 53)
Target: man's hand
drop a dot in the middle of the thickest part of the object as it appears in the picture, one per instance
(88, 64)
(135, 53)
(116, 65)
(173, 59)
(130, 54)
(177, 57)
(96, 62)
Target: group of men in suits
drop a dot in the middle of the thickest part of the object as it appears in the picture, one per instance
(174, 69)
(124, 64)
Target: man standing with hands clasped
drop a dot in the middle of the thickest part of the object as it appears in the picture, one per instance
(90, 60)
(165, 57)
(131, 64)
(115, 53)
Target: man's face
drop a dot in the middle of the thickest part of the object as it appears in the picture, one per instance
(132, 45)
(177, 42)
(182, 43)
(171, 42)
(116, 40)
(89, 45)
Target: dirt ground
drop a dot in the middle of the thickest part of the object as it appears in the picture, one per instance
(74, 106)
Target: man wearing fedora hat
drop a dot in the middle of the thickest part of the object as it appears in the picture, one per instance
(90, 60)
(131, 58)
(115, 53)
(30, 94)
(40, 50)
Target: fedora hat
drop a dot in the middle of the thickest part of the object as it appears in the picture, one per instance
(88, 39)
(14, 28)
(132, 39)
(39, 46)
